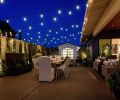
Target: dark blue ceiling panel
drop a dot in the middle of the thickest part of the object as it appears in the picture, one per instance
(45, 22)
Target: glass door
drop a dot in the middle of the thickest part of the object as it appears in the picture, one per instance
(68, 52)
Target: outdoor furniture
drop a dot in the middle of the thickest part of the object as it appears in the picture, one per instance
(107, 67)
(35, 64)
(96, 64)
(46, 72)
(64, 69)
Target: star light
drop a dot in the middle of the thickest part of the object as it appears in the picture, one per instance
(77, 26)
(41, 23)
(39, 37)
(38, 32)
(74, 38)
(24, 19)
(56, 32)
(61, 28)
(28, 33)
(59, 12)
(73, 26)
(19, 30)
(47, 35)
(70, 12)
(7, 21)
(66, 29)
(41, 15)
(77, 7)
(54, 19)
(1, 1)
(50, 30)
(30, 27)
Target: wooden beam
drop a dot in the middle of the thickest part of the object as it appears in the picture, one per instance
(110, 12)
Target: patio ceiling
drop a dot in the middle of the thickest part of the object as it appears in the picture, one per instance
(98, 14)
(45, 22)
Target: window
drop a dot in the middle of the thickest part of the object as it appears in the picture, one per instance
(67, 52)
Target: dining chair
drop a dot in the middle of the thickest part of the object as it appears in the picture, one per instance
(64, 69)
(46, 72)
(35, 65)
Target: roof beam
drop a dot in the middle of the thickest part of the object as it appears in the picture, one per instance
(110, 12)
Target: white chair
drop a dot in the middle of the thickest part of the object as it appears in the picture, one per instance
(46, 72)
(68, 60)
(64, 69)
(59, 58)
(107, 67)
(95, 64)
(35, 64)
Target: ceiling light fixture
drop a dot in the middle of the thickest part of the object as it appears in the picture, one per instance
(7, 21)
(25, 19)
(59, 12)
(70, 12)
(30, 27)
(1, 1)
(41, 15)
(41, 23)
(54, 19)
(77, 7)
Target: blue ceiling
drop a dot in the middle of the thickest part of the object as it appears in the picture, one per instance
(45, 22)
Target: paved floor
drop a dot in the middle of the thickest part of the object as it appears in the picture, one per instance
(82, 84)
